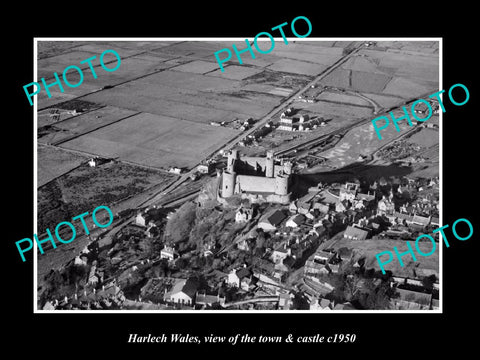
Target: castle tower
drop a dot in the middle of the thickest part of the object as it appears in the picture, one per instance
(281, 184)
(228, 184)
(232, 158)
(269, 165)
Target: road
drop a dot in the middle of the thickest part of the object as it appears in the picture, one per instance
(253, 300)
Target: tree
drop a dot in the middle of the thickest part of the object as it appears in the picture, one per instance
(181, 223)
(376, 297)
(428, 281)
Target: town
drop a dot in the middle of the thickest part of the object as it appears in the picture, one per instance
(258, 249)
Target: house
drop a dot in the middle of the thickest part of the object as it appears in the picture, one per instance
(420, 221)
(304, 208)
(81, 260)
(141, 219)
(295, 221)
(385, 206)
(317, 262)
(240, 278)
(399, 218)
(321, 304)
(243, 214)
(183, 292)
(208, 300)
(284, 301)
(243, 244)
(358, 205)
(271, 220)
(293, 207)
(168, 253)
(323, 208)
(341, 206)
(267, 281)
(354, 233)
(175, 170)
(280, 253)
(348, 191)
(210, 249)
(366, 197)
(204, 168)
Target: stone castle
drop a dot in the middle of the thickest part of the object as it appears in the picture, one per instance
(256, 178)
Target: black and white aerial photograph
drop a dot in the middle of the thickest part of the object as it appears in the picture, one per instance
(241, 185)
(211, 179)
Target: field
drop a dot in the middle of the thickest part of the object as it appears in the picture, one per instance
(153, 140)
(85, 188)
(86, 122)
(52, 163)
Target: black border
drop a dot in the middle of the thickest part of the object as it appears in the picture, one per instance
(108, 333)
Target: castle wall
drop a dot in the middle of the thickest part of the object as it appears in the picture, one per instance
(254, 161)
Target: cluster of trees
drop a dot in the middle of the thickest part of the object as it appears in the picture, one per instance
(364, 289)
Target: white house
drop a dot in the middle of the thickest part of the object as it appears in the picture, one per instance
(354, 233)
(295, 221)
(280, 253)
(270, 221)
(168, 253)
(240, 278)
(243, 215)
(183, 292)
(141, 219)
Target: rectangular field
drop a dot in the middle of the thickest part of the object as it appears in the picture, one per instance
(153, 140)
(52, 163)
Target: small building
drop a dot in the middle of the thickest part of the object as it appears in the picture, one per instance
(240, 278)
(304, 208)
(208, 300)
(141, 219)
(204, 168)
(348, 191)
(420, 221)
(295, 221)
(280, 253)
(80, 260)
(385, 206)
(175, 170)
(271, 220)
(354, 233)
(293, 208)
(323, 208)
(341, 206)
(321, 304)
(243, 214)
(168, 253)
(183, 292)
(284, 301)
